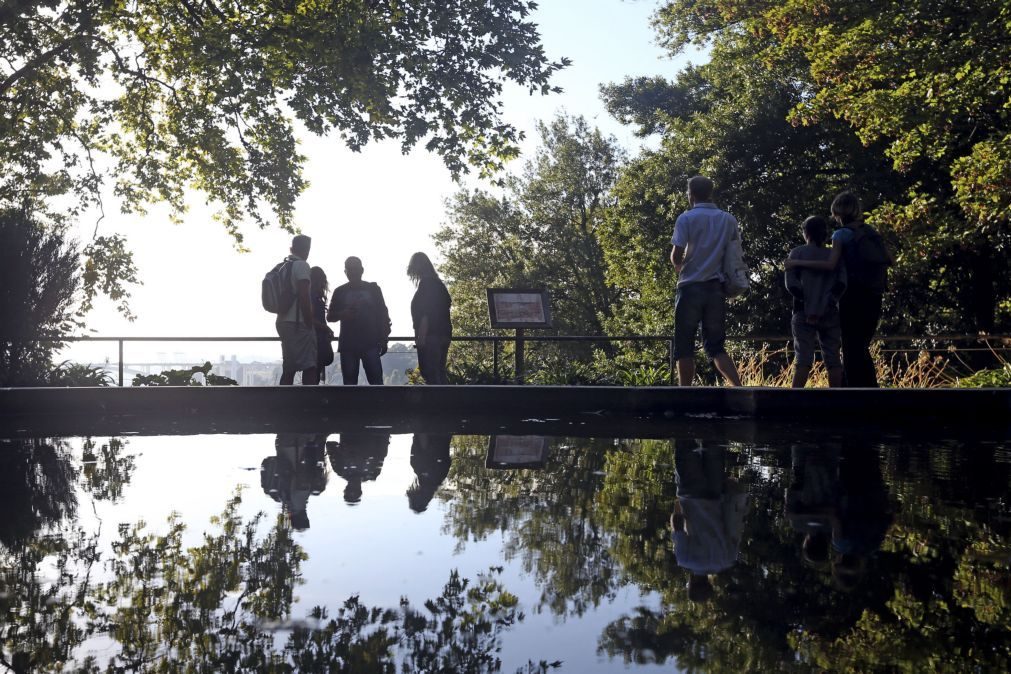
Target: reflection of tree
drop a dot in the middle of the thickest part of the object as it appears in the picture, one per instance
(36, 487)
(37, 495)
(106, 471)
(217, 606)
(545, 516)
(934, 597)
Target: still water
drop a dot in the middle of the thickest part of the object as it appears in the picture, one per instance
(374, 552)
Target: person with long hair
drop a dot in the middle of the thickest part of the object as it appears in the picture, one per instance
(430, 313)
(318, 289)
(867, 259)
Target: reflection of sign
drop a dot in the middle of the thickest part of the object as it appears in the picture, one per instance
(519, 308)
(517, 451)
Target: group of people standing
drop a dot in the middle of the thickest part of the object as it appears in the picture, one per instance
(837, 292)
(359, 307)
(837, 295)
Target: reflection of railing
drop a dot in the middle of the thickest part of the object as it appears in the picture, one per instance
(930, 343)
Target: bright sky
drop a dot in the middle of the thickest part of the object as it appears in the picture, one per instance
(378, 204)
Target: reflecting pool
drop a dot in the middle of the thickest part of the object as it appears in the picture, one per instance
(365, 551)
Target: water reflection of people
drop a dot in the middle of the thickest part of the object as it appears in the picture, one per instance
(838, 499)
(294, 473)
(430, 460)
(864, 514)
(708, 519)
(811, 500)
(358, 458)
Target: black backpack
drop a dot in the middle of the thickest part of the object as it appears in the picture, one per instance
(867, 260)
(276, 292)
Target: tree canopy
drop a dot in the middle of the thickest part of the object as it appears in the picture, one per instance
(161, 97)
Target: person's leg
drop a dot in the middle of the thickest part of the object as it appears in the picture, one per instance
(425, 365)
(830, 340)
(859, 314)
(687, 315)
(310, 377)
(870, 315)
(686, 371)
(371, 361)
(803, 347)
(714, 335)
(441, 356)
(349, 367)
(287, 369)
(800, 375)
(848, 336)
(725, 365)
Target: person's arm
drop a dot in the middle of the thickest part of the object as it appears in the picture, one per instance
(679, 241)
(794, 284)
(421, 333)
(305, 304)
(332, 313)
(677, 258)
(825, 265)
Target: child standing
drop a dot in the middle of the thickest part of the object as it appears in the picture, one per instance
(816, 294)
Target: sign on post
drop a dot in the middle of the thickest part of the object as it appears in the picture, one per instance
(519, 308)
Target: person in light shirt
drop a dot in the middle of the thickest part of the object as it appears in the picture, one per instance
(708, 518)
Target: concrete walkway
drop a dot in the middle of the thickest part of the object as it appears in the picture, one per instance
(554, 410)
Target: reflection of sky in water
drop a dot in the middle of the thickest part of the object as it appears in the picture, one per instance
(915, 518)
(377, 548)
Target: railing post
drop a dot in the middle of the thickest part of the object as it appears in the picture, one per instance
(519, 355)
(121, 362)
(494, 357)
(672, 361)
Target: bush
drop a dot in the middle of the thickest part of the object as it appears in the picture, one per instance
(184, 378)
(995, 378)
(77, 374)
(39, 281)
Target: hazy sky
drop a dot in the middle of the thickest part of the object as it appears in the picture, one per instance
(377, 204)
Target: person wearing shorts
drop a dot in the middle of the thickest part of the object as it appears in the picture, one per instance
(816, 296)
(700, 239)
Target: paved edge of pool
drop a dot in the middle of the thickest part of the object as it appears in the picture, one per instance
(32, 407)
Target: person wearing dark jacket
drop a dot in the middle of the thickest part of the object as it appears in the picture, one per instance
(430, 313)
(365, 324)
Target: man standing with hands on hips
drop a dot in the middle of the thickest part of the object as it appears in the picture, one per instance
(700, 239)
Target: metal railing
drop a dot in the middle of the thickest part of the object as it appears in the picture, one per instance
(986, 343)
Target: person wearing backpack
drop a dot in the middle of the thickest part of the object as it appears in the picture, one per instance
(700, 241)
(365, 325)
(861, 249)
(288, 284)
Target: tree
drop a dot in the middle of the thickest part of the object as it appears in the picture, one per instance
(542, 231)
(164, 96)
(39, 285)
(727, 119)
(928, 85)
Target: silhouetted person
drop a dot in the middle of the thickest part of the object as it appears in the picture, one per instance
(430, 313)
(295, 326)
(324, 335)
(430, 460)
(708, 519)
(816, 296)
(864, 514)
(358, 458)
(295, 473)
(365, 321)
(812, 500)
(867, 260)
(700, 239)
